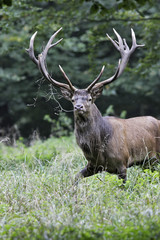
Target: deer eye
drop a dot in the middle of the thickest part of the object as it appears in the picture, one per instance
(90, 99)
(72, 100)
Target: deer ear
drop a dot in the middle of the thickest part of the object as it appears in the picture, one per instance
(67, 93)
(96, 92)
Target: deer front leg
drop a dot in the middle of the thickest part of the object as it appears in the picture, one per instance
(85, 172)
(122, 174)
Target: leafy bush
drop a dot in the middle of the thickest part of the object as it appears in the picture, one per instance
(60, 127)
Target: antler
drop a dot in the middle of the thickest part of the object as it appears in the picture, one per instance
(122, 47)
(41, 61)
(96, 80)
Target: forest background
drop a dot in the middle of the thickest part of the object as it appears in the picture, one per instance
(38, 198)
(28, 103)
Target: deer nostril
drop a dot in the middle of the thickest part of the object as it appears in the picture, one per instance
(78, 106)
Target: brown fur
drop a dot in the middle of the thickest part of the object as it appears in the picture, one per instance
(113, 144)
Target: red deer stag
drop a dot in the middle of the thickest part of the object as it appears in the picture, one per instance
(108, 143)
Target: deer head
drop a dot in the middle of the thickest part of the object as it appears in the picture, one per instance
(82, 99)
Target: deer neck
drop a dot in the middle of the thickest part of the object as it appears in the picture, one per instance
(92, 125)
(91, 131)
(90, 120)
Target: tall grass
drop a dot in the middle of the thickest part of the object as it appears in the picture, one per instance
(39, 201)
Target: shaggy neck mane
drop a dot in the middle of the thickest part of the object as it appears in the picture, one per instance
(91, 130)
(90, 120)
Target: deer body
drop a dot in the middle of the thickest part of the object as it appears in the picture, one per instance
(112, 144)
(108, 143)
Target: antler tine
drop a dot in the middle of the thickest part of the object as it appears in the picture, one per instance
(96, 80)
(49, 44)
(31, 49)
(54, 44)
(120, 41)
(68, 80)
(125, 44)
(111, 79)
(115, 43)
(134, 44)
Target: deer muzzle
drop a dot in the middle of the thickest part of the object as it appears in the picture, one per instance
(79, 107)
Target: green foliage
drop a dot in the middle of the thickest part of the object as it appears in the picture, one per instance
(110, 111)
(41, 202)
(123, 114)
(60, 127)
(82, 53)
(5, 2)
(40, 153)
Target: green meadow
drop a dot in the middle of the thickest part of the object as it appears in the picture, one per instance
(38, 199)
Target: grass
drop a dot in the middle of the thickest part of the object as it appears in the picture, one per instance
(38, 199)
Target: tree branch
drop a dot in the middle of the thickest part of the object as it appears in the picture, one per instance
(129, 19)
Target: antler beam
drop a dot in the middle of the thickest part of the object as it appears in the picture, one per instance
(122, 46)
(41, 61)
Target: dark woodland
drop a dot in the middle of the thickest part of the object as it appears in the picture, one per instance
(28, 103)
